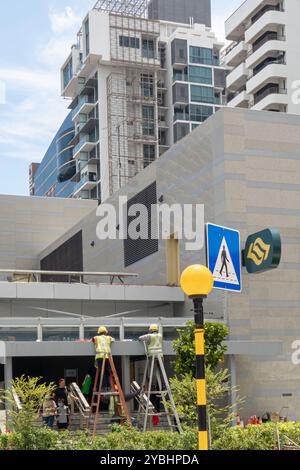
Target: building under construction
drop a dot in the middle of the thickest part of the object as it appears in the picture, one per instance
(129, 102)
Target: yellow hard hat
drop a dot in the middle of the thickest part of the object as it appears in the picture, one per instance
(102, 329)
(154, 328)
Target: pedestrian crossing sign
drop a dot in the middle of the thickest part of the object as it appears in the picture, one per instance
(223, 251)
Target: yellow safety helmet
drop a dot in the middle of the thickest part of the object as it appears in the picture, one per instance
(102, 330)
(154, 328)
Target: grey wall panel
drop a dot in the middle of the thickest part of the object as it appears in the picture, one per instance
(180, 11)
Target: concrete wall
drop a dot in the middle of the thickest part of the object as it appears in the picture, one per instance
(29, 224)
(244, 166)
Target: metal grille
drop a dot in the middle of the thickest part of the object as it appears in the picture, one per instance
(138, 8)
(67, 257)
(136, 250)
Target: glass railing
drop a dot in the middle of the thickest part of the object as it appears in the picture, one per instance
(82, 100)
(84, 140)
(181, 117)
(269, 61)
(272, 89)
(89, 178)
(264, 10)
(271, 36)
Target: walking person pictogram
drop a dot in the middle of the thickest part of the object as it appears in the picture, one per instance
(225, 260)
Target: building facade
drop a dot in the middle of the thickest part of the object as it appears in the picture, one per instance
(53, 176)
(263, 56)
(143, 87)
(244, 167)
(32, 171)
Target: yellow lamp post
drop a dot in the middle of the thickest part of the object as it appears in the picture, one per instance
(197, 283)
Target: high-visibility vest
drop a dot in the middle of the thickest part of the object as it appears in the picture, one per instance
(102, 346)
(156, 344)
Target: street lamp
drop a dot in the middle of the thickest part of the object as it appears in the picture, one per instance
(197, 283)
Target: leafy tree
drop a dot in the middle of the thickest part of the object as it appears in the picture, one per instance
(31, 394)
(184, 346)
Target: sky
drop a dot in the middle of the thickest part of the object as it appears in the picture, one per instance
(36, 36)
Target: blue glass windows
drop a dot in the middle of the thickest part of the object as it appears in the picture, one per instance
(201, 55)
(202, 94)
(200, 74)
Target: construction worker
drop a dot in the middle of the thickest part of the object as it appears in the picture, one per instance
(153, 341)
(154, 346)
(102, 344)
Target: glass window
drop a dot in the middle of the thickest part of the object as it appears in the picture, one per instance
(149, 154)
(18, 334)
(148, 48)
(132, 42)
(202, 94)
(200, 74)
(200, 113)
(68, 73)
(148, 120)
(147, 87)
(60, 334)
(87, 37)
(201, 55)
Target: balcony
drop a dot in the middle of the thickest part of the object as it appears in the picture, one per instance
(85, 105)
(264, 10)
(86, 144)
(270, 20)
(237, 78)
(238, 22)
(269, 73)
(86, 183)
(273, 45)
(235, 54)
(272, 89)
(239, 99)
(266, 37)
(268, 61)
(87, 126)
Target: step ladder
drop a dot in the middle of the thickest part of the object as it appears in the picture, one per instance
(116, 392)
(155, 364)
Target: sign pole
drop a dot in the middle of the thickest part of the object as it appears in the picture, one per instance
(200, 374)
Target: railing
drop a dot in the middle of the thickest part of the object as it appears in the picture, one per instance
(70, 327)
(264, 64)
(264, 10)
(72, 276)
(84, 140)
(272, 36)
(269, 91)
(82, 100)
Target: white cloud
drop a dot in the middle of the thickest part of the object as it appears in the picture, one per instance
(62, 21)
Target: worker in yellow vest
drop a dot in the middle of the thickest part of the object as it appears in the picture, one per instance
(153, 341)
(154, 346)
(102, 344)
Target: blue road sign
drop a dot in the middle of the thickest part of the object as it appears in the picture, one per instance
(223, 250)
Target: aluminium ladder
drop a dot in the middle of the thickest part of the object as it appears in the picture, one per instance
(156, 366)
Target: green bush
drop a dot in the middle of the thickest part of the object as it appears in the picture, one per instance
(184, 347)
(258, 437)
(121, 439)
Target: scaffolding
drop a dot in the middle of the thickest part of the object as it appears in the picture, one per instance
(133, 92)
(137, 8)
(132, 124)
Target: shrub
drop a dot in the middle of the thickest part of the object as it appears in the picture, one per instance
(184, 347)
(121, 439)
(258, 437)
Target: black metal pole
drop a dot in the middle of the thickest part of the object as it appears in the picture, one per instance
(200, 374)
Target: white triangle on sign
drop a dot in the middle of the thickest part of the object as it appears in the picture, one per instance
(224, 260)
